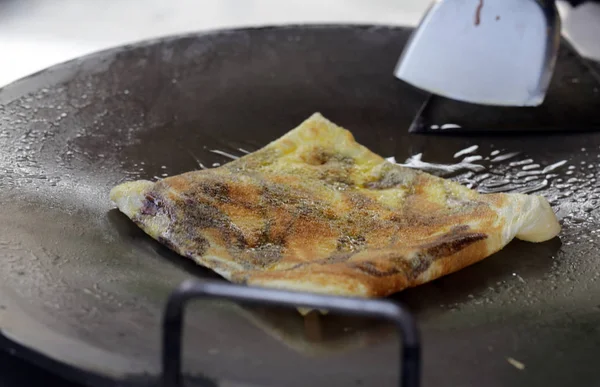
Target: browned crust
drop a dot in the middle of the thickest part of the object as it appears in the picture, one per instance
(279, 230)
(380, 273)
(315, 221)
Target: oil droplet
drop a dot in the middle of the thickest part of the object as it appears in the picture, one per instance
(450, 126)
(222, 153)
(519, 163)
(465, 151)
(554, 166)
(417, 163)
(504, 157)
(470, 159)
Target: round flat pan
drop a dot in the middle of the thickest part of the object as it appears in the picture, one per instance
(83, 285)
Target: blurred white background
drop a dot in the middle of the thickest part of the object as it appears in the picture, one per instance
(35, 34)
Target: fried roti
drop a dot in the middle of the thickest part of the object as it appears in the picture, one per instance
(316, 211)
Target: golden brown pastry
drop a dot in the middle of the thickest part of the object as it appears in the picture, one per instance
(316, 211)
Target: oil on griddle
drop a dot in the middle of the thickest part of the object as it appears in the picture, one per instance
(80, 283)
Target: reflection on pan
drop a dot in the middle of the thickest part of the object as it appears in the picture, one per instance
(315, 334)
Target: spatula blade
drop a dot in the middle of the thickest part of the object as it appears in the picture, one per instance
(491, 52)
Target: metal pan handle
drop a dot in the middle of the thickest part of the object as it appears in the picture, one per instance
(410, 353)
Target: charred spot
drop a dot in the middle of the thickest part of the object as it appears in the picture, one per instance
(414, 266)
(419, 264)
(319, 156)
(189, 254)
(199, 216)
(332, 259)
(265, 237)
(149, 208)
(151, 197)
(412, 220)
(265, 234)
(265, 255)
(445, 246)
(337, 258)
(358, 201)
(329, 213)
(411, 267)
(350, 243)
(390, 178)
(460, 229)
(167, 243)
(452, 243)
(200, 244)
(277, 195)
(372, 270)
(336, 178)
(216, 190)
(304, 210)
(274, 195)
(151, 205)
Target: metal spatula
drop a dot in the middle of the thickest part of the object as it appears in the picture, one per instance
(491, 52)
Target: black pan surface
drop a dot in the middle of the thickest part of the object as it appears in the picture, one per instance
(80, 283)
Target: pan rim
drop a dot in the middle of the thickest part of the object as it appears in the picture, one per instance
(10, 91)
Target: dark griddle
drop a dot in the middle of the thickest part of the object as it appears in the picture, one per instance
(81, 283)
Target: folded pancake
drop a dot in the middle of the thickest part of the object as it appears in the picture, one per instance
(316, 211)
